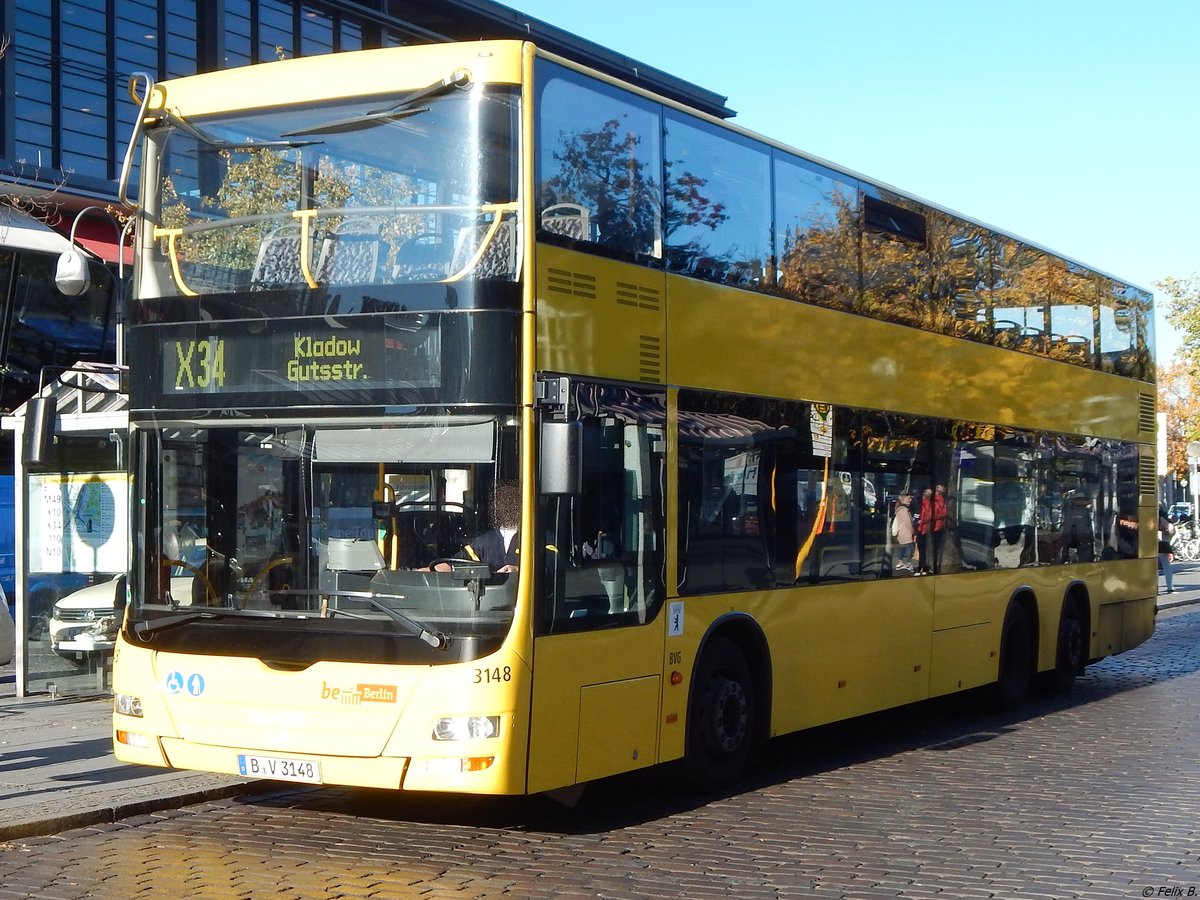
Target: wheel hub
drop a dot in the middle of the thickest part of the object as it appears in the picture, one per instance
(730, 714)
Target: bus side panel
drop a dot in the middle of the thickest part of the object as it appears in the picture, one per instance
(618, 726)
(1122, 626)
(596, 700)
(963, 657)
(866, 648)
(599, 317)
(1118, 622)
(813, 353)
(968, 617)
(837, 651)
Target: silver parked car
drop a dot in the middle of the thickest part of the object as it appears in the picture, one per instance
(84, 623)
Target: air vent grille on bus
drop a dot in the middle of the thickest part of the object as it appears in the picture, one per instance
(1147, 483)
(650, 358)
(638, 295)
(1146, 417)
(574, 284)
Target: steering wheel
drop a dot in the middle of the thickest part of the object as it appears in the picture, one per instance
(262, 573)
(452, 561)
(209, 591)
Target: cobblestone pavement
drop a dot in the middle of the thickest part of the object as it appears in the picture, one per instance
(1093, 794)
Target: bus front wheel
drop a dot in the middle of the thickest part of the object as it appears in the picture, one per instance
(720, 725)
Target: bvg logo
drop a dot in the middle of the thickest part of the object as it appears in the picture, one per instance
(364, 693)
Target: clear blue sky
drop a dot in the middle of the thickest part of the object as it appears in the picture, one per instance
(1072, 123)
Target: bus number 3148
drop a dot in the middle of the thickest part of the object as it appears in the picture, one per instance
(488, 676)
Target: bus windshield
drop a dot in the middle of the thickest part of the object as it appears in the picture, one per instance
(368, 193)
(338, 533)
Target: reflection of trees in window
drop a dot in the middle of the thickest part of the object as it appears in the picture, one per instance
(1044, 304)
(601, 170)
(1018, 296)
(274, 183)
(686, 208)
(817, 227)
(1072, 333)
(895, 260)
(960, 255)
(252, 182)
(369, 186)
(1127, 331)
(718, 208)
(924, 267)
(1144, 365)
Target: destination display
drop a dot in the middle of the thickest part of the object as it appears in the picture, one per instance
(414, 358)
(199, 364)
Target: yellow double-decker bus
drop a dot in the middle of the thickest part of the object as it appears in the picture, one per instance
(497, 426)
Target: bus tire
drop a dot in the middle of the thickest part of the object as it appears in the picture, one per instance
(720, 724)
(1069, 655)
(1015, 675)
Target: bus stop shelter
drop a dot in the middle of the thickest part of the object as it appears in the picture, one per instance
(71, 534)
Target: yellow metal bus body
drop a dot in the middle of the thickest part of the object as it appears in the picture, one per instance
(575, 706)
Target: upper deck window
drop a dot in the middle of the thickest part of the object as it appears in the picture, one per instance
(718, 203)
(816, 229)
(599, 165)
(337, 199)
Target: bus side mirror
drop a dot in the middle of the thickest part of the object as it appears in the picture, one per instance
(121, 600)
(41, 417)
(562, 466)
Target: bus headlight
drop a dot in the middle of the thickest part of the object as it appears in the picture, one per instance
(127, 705)
(464, 728)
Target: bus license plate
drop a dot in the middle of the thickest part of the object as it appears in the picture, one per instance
(279, 768)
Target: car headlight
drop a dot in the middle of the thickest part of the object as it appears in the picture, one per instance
(465, 728)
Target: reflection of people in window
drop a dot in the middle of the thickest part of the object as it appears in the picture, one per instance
(932, 529)
(1080, 539)
(906, 539)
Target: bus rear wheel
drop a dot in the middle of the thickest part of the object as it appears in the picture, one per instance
(720, 725)
(1068, 659)
(1016, 659)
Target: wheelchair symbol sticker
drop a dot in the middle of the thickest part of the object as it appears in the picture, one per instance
(177, 683)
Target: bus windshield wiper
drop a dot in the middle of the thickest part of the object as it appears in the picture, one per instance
(182, 618)
(434, 639)
(404, 107)
(177, 121)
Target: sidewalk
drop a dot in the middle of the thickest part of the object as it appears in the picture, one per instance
(57, 770)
